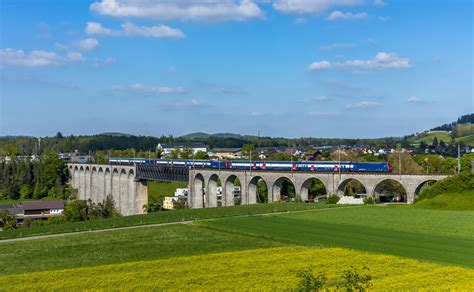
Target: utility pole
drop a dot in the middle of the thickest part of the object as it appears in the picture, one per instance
(250, 161)
(400, 167)
(339, 168)
(459, 158)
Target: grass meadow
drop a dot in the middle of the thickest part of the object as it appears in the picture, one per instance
(404, 248)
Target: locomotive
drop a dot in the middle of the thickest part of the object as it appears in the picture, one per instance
(306, 166)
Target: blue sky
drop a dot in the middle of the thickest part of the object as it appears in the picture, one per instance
(321, 68)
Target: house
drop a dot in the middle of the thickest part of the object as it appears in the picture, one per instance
(226, 153)
(166, 148)
(168, 202)
(312, 155)
(42, 209)
(12, 209)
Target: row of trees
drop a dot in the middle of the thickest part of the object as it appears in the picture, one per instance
(34, 179)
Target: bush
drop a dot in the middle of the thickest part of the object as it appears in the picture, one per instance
(311, 281)
(355, 281)
(333, 199)
(7, 221)
(369, 201)
(76, 211)
(455, 184)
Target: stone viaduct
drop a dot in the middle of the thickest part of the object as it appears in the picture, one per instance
(96, 182)
(204, 181)
(129, 188)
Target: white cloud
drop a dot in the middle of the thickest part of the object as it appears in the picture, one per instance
(336, 15)
(131, 30)
(10, 57)
(312, 6)
(321, 114)
(337, 46)
(381, 61)
(379, 3)
(320, 98)
(256, 114)
(88, 44)
(363, 105)
(138, 87)
(319, 65)
(413, 99)
(195, 10)
(75, 56)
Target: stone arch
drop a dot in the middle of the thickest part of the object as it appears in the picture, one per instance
(423, 185)
(75, 177)
(395, 191)
(94, 184)
(81, 184)
(279, 186)
(305, 193)
(254, 196)
(342, 189)
(115, 187)
(198, 200)
(131, 194)
(100, 185)
(232, 196)
(107, 183)
(211, 191)
(87, 190)
(123, 191)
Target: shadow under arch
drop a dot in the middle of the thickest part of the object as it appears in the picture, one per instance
(351, 187)
(258, 190)
(283, 189)
(233, 194)
(390, 191)
(312, 190)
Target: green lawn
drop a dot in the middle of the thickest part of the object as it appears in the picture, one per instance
(158, 190)
(442, 236)
(85, 250)
(429, 137)
(469, 140)
(461, 202)
(160, 217)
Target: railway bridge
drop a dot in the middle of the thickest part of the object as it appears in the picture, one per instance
(128, 184)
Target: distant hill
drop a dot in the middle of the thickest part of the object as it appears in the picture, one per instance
(115, 134)
(201, 135)
(462, 130)
(466, 119)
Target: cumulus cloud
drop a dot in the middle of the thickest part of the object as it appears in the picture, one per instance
(337, 46)
(379, 3)
(363, 105)
(320, 98)
(10, 57)
(196, 10)
(152, 90)
(320, 65)
(312, 6)
(87, 44)
(338, 15)
(413, 99)
(75, 56)
(131, 30)
(381, 61)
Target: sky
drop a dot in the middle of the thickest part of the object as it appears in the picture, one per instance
(292, 68)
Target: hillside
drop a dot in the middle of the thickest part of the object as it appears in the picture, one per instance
(462, 133)
(457, 201)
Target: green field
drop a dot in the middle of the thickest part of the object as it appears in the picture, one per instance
(422, 234)
(404, 247)
(84, 250)
(428, 137)
(460, 202)
(158, 190)
(469, 140)
(160, 217)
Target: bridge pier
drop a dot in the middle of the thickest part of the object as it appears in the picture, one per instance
(95, 182)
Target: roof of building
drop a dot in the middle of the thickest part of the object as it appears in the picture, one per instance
(183, 145)
(12, 209)
(221, 150)
(42, 205)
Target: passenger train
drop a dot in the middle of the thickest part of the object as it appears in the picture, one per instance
(310, 166)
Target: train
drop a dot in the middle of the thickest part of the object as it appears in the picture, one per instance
(303, 166)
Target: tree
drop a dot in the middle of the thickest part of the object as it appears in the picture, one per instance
(201, 155)
(247, 149)
(7, 221)
(175, 153)
(186, 153)
(435, 143)
(310, 280)
(355, 281)
(76, 211)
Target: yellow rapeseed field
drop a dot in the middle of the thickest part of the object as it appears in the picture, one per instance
(261, 269)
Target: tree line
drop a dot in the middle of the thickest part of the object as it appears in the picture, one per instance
(22, 178)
